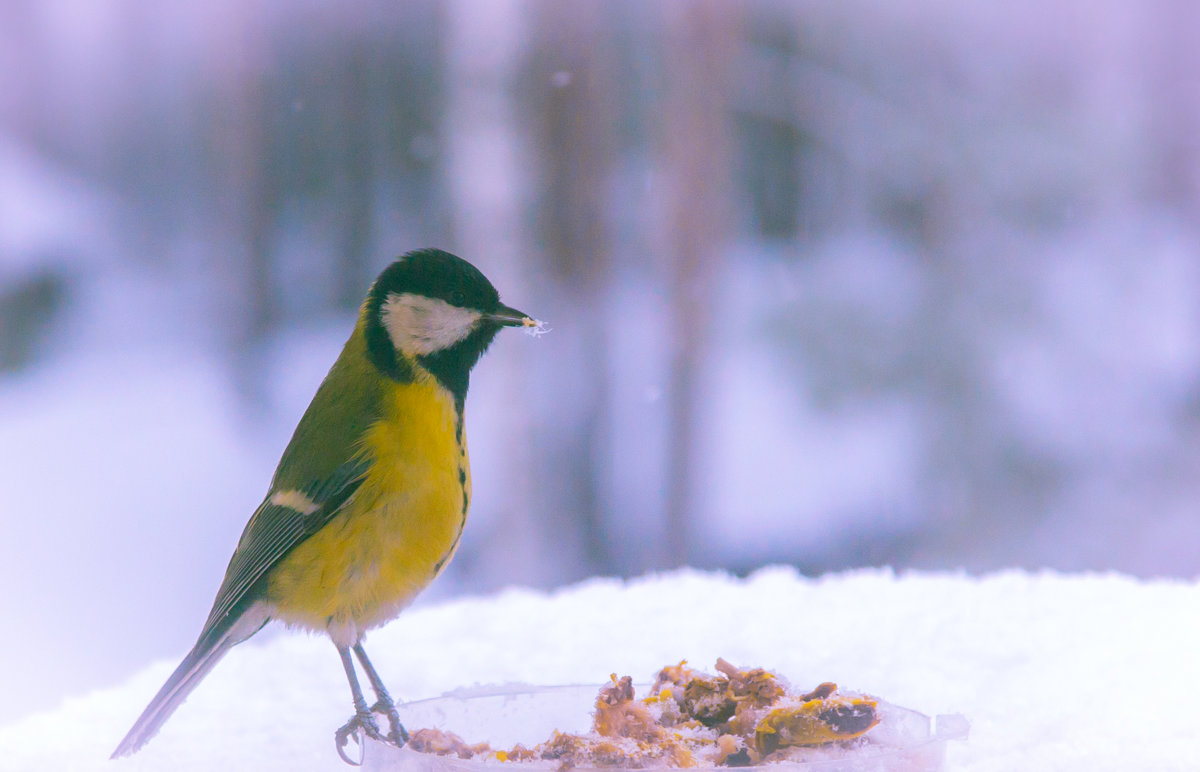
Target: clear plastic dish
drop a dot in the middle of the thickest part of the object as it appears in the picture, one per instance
(506, 715)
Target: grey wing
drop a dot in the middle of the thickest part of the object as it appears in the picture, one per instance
(273, 531)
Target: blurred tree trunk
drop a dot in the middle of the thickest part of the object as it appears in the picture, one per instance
(356, 187)
(1173, 59)
(1170, 53)
(572, 97)
(700, 37)
(244, 191)
(487, 183)
(26, 88)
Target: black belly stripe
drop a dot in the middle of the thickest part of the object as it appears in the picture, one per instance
(437, 567)
(462, 522)
(462, 484)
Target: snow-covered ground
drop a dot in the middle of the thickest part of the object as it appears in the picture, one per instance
(1054, 672)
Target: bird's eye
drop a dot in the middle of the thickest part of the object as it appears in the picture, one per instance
(458, 299)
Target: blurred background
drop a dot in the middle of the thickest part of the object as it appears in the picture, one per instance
(831, 283)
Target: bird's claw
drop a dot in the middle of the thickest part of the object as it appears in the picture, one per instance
(363, 723)
(397, 735)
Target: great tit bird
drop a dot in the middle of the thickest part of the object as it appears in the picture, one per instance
(371, 494)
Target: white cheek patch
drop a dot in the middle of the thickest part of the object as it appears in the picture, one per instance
(419, 325)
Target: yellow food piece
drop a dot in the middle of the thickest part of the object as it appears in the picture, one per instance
(813, 722)
(444, 743)
(619, 715)
(738, 718)
(672, 675)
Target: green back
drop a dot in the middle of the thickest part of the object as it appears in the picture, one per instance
(322, 461)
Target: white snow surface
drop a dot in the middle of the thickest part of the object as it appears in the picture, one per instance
(1054, 672)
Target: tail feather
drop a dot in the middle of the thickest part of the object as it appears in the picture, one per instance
(207, 652)
(186, 677)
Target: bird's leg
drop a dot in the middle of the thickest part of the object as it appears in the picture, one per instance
(363, 719)
(385, 703)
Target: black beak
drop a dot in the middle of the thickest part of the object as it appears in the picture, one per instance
(510, 317)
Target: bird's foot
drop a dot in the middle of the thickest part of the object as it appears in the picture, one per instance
(363, 723)
(397, 734)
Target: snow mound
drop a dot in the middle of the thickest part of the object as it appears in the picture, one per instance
(1054, 672)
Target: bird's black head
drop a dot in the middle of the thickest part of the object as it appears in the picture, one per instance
(437, 311)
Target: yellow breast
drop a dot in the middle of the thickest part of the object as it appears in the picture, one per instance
(398, 530)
